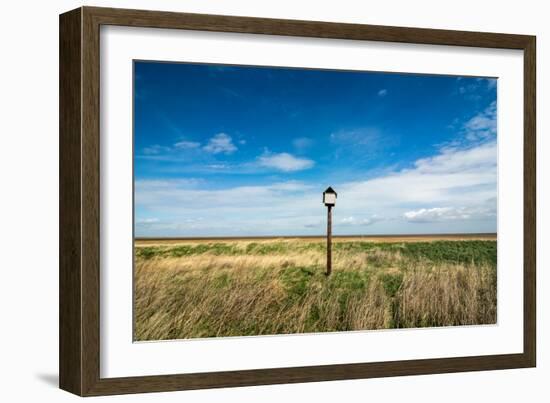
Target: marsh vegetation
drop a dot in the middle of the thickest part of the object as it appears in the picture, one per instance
(193, 289)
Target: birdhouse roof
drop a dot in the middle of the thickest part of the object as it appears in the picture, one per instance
(330, 190)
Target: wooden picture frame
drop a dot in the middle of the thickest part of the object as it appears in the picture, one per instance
(79, 348)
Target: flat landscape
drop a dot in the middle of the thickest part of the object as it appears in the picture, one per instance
(196, 288)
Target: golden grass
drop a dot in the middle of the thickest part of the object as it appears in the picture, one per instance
(335, 239)
(279, 287)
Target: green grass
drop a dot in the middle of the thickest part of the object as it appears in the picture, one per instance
(271, 287)
(476, 252)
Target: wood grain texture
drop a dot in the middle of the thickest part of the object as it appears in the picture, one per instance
(90, 202)
(530, 204)
(80, 201)
(70, 275)
(316, 29)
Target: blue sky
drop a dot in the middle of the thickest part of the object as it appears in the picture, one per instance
(241, 150)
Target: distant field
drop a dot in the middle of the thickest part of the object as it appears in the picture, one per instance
(235, 287)
(344, 238)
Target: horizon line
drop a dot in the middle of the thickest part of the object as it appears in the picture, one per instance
(459, 234)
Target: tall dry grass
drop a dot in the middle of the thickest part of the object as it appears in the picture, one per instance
(276, 287)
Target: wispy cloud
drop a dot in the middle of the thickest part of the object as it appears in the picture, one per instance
(167, 152)
(351, 220)
(221, 143)
(302, 143)
(453, 188)
(443, 214)
(368, 136)
(348, 220)
(142, 186)
(147, 220)
(363, 142)
(184, 145)
(483, 125)
(460, 161)
(382, 160)
(473, 89)
(476, 130)
(465, 178)
(284, 162)
(155, 149)
(491, 83)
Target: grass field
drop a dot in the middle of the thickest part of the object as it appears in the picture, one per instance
(238, 287)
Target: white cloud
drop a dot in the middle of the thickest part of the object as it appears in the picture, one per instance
(368, 136)
(383, 92)
(178, 194)
(480, 158)
(454, 191)
(187, 144)
(160, 153)
(220, 143)
(155, 149)
(351, 220)
(144, 186)
(477, 130)
(146, 224)
(147, 220)
(448, 178)
(440, 214)
(217, 166)
(489, 83)
(271, 209)
(483, 125)
(473, 90)
(284, 162)
(371, 220)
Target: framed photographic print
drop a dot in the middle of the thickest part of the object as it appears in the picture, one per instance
(249, 201)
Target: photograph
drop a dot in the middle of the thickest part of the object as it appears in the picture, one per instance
(273, 200)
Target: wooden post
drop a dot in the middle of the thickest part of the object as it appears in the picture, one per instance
(329, 240)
